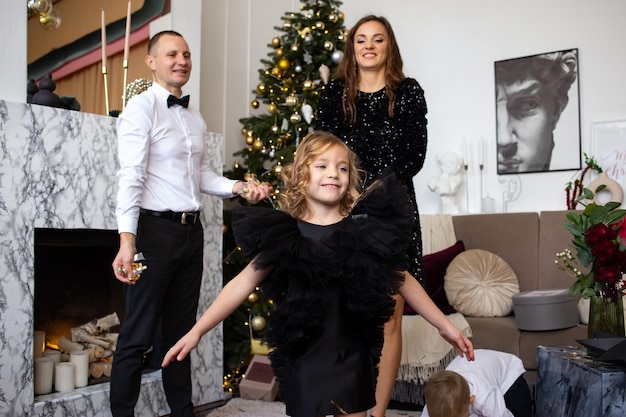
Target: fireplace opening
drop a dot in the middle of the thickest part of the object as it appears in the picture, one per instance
(74, 282)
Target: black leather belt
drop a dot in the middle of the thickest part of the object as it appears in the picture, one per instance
(184, 217)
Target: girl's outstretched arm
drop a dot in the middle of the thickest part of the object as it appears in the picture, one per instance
(227, 301)
(415, 296)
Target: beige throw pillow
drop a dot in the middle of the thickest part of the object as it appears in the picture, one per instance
(479, 283)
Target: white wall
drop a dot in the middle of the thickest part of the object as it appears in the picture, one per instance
(13, 48)
(450, 47)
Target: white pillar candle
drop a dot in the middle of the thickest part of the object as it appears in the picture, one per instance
(64, 377)
(43, 375)
(53, 354)
(39, 342)
(80, 359)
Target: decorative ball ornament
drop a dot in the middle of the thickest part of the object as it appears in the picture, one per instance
(284, 64)
(278, 168)
(295, 118)
(261, 88)
(336, 57)
(258, 144)
(320, 25)
(275, 71)
(294, 47)
(258, 323)
(236, 165)
(292, 100)
(329, 46)
(298, 69)
(272, 108)
(275, 129)
(279, 52)
(341, 38)
(276, 42)
(308, 39)
(342, 16)
(253, 297)
(272, 153)
(287, 25)
(249, 140)
(333, 17)
(308, 85)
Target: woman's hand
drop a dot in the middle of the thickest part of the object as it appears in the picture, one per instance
(456, 338)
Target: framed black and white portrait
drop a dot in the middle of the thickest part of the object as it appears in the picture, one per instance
(538, 113)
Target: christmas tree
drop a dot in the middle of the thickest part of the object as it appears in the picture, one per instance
(298, 67)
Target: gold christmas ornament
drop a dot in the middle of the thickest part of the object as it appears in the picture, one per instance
(320, 25)
(284, 64)
(292, 100)
(236, 165)
(308, 85)
(279, 52)
(276, 42)
(258, 323)
(272, 108)
(275, 71)
(261, 88)
(295, 118)
(294, 47)
(341, 16)
(328, 45)
(258, 144)
(275, 129)
(255, 104)
(278, 168)
(249, 140)
(287, 25)
(253, 297)
(333, 17)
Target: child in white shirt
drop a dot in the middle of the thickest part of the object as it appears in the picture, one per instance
(491, 386)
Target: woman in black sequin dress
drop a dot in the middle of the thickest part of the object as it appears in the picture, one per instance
(381, 115)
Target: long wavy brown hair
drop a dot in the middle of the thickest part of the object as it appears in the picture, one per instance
(347, 70)
(296, 175)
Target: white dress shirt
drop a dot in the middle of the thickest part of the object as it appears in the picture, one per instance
(163, 159)
(489, 377)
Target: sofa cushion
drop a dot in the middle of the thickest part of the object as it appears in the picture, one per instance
(481, 284)
(435, 265)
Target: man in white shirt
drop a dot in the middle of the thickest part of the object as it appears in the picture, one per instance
(492, 385)
(164, 168)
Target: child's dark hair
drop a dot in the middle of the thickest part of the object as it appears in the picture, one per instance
(295, 176)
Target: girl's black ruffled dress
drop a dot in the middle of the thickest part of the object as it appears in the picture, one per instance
(331, 287)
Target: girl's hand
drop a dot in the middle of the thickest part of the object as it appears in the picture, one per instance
(181, 349)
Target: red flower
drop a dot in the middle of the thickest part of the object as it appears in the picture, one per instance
(603, 252)
(598, 233)
(607, 273)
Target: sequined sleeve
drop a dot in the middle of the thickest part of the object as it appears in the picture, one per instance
(410, 113)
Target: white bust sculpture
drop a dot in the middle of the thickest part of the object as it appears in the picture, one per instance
(449, 182)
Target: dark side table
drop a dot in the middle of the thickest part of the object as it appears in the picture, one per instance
(573, 384)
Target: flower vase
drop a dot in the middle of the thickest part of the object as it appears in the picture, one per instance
(606, 315)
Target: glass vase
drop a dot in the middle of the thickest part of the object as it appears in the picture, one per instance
(606, 315)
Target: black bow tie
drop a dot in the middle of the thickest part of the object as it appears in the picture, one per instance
(183, 101)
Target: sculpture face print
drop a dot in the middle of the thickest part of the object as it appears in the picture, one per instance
(531, 94)
(527, 113)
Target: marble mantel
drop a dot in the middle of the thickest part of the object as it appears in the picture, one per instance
(57, 170)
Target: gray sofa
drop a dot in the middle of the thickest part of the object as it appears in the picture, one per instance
(528, 242)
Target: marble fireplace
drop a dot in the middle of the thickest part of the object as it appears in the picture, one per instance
(57, 171)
